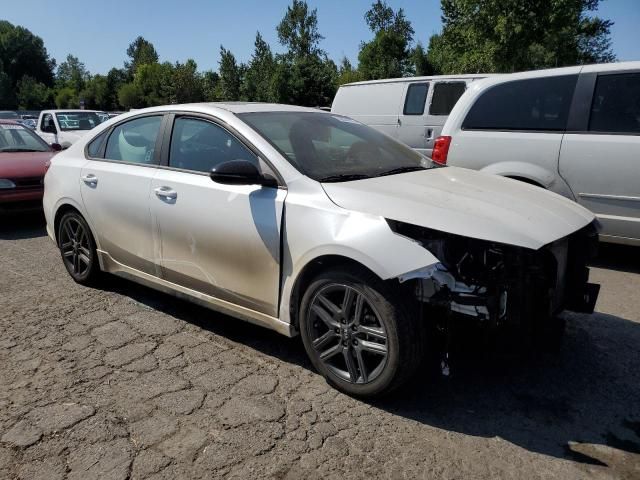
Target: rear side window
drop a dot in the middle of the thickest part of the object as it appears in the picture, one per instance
(95, 147)
(416, 98)
(200, 146)
(445, 96)
(616, 104)
(134, 141)
(540, 104)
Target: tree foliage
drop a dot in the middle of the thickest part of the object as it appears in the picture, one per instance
(21, 54)
(72, 74)
(140, 52)
(298, 30)
(388, 54)
(512, 35)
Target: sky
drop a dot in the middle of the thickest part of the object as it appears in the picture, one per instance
(98, 32)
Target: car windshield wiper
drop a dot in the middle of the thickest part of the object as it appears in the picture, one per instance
(395, 171)
(343, 177)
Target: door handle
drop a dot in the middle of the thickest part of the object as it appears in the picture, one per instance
(166, 193)
(428, 133)
(90, 179)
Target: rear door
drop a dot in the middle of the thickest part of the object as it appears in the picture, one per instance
(412, 121)
(220, 240)
(115, 185)
(600, 158)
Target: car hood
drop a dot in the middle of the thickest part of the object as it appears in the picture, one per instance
(467, 203)
(23, 164)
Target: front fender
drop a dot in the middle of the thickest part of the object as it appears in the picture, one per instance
(366, 239)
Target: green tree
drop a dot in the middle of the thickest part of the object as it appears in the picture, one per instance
(304, 75)
(346, 72)
(210, 81)
(420, 61)
(389, 53)
(298, 30)
(72, 74)
(21, 53)
(140, 52)
(187, 82)
(32, 94)
(96, 93)
(67, 97)
(155, 82)
(130, 96)
(511, 35)
(257, 85)
(228, 87)
(116, 78)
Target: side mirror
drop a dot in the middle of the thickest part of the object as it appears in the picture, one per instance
(241, 172)
(50, 129)
(56, 147)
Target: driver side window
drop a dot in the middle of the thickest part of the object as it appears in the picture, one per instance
(200, 146)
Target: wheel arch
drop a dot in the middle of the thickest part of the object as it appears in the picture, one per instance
(64, 208)
(309, 271)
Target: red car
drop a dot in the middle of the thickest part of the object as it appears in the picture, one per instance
(24, 158)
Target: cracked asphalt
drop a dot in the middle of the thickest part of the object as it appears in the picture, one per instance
(124, 382)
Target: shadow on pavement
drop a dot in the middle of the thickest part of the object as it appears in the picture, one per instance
(623, 258)
(566, 405)
(18, 226)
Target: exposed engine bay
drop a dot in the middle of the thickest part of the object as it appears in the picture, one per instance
(504, 284)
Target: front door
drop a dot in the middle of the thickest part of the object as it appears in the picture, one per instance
(115, 192)
(220, 240)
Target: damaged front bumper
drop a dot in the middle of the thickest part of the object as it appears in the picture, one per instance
(504, 284)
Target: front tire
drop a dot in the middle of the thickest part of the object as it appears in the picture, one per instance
(78, 249)
(358, 332)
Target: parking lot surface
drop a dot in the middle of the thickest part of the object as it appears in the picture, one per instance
(124, 382)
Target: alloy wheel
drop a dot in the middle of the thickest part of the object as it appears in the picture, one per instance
(75, 246)
(347, 333)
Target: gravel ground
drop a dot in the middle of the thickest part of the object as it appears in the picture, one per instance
(123, 382)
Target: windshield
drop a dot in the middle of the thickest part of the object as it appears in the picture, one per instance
(16, 138)
(77, 120)
(333, 148)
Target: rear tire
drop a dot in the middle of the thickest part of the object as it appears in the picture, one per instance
(78, 249)
(359, 333)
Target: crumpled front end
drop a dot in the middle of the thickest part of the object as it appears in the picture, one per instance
(500, 284)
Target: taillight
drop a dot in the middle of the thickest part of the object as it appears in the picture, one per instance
(441, 149)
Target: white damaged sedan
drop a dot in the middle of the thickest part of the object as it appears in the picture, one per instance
(310, 223)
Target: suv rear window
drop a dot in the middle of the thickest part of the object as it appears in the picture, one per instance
(616, 104)
(445, 96)
(415, 99)
(539, 104)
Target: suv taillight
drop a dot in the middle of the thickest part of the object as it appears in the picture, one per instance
(441, 149)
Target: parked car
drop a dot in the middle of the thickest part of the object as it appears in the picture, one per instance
(23, 161)
(29, 123)
(66, 126)
(411, 110)
(8, 115)
(574, 131)
(309, 222)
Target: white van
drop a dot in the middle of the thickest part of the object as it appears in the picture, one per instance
(412, 110)
(574, 131)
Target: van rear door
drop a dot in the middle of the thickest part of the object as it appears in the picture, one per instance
(374, 104)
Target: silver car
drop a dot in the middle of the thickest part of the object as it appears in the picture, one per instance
(311, 223)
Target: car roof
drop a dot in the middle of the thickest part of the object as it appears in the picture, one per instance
(424, 78)
(6, 121)
(245, 107)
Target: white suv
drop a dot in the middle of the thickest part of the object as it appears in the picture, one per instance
(574, 131)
